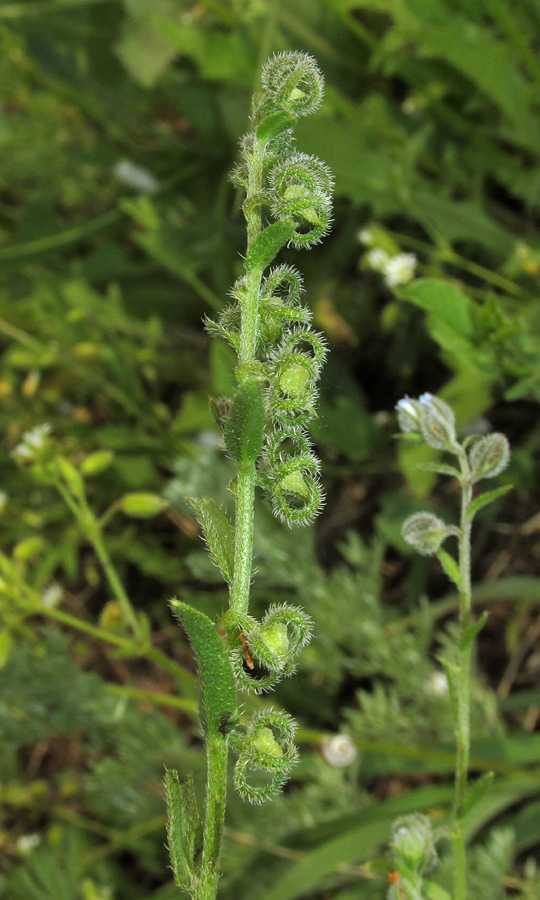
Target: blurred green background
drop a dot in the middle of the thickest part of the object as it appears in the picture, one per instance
(119, 231)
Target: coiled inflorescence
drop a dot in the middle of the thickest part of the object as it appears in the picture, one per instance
(280, 358)
(289, 354)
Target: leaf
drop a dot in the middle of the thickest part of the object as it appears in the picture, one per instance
(357, 842)
(487, 497)
(219, 534)
(184, 832)
(244, 428)
(268, 244)
(472, 631)
(440, 469)
(450, 313)
(477, 792)
(449, 565)
(217, 679)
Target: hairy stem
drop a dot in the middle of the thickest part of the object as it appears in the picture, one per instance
(214, 817)
(245, 491)
(216, 747)
(463, 691)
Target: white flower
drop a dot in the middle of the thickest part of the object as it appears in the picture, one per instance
(378, 259)
(135, 176)
(32, 443)
(51, 596)
(365, 236)
(437, 685)
(339, 751)
(400, 269)
(27, 842)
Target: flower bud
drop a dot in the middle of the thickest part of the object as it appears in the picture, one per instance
(142, 506)
(489, 456)
(276, 638)
(413, 843)
(425, 532)
(437, 422)
(96, 462)
(264, 742)
(408, 413)
(294, 379)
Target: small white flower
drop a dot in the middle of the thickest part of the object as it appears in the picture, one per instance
(400, 269)
(437, 685)
(51, 596)
(135, 176)
(339, 751)
(378, 259)
(365, 236)
(32, 442)
(27, 842)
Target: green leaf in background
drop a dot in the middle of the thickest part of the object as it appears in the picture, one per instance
(219, 534)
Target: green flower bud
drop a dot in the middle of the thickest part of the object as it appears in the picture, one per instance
(96, 462)
(142, 506)
(413, 842)
(489, 456)
(264, 742)
(425, 532)
(437, 422)
(276, 638)
(293, 380)
(294, 483)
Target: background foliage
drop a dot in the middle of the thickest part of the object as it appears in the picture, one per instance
(119, 230)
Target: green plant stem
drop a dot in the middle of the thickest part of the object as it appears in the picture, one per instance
(245, 491)
(214, 816)
(463, 684)
(91, 529)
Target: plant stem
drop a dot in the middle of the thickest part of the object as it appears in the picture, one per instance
(91, 529)
(245, 492)
(216, 745)
(463, 684)
(214, 816)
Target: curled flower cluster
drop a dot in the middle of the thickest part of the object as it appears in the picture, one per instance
(280, 358)
(289, 354)
(266, 755)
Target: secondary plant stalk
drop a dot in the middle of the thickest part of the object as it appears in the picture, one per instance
(463, 692)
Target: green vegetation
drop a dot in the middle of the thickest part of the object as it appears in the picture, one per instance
(119, 231)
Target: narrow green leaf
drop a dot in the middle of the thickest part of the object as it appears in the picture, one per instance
(219, 534)
(244, 428)
(473, 630)
(217, 679)
(441, 469)
(184, 831)
(487, 497)
(478, 790)
(449, 565)
(435, 892)
(268, 244)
